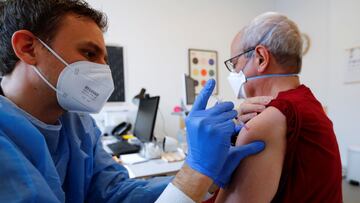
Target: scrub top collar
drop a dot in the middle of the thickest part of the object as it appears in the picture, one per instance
(34, 120)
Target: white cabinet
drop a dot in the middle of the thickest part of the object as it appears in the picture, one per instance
(353, 170)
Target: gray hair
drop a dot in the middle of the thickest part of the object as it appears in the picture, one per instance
(279, 35)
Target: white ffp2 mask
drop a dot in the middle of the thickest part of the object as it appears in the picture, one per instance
(237, 82)
(82, 86)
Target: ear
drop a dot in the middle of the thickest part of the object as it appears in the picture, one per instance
(23, 43)
(262, 58)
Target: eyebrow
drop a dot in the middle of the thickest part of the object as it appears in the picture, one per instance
(96, 47)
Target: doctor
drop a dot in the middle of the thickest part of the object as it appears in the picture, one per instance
(54, 74)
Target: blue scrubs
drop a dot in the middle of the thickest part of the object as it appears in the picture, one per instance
(63, 162)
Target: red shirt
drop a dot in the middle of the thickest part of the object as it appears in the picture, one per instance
(312, 165)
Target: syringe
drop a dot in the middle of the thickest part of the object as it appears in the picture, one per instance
(237, 121)
(241, 123)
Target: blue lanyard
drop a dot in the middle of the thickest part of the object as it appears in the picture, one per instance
(271, 75)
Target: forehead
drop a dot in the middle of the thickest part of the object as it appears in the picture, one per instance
(236, 45)
(76, 29)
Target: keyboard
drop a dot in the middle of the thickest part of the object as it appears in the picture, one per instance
(123, 147)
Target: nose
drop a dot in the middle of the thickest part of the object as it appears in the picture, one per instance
(101, 60)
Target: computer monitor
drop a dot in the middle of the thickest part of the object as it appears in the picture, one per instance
(145, 119)
(189, 85)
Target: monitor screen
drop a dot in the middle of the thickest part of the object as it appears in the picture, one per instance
(145, 119)
(189, 90)
(116, 63)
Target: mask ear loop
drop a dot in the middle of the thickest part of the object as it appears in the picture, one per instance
(53, 52)
(44, 79)
(41, 75)
(273, 75)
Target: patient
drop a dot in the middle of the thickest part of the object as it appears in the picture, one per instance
(301, 162)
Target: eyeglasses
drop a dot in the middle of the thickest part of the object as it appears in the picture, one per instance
(230, 65)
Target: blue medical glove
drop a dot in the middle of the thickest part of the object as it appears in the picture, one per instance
(209, 133)
(235, 156)
(237, 129)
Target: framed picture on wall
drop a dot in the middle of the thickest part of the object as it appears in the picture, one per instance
(352, 70)
(203, 65)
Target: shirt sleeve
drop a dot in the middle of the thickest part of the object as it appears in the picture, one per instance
(20, 180)
(291, 114)
(110, 182)
(174, 195)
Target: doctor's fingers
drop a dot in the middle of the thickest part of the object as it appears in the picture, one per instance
(226, 129)
(248, 149)
(202, 99)
(223, 117)
(220, 108)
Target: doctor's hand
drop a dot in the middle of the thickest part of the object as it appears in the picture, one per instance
(209, 133)
(235, 156)
(210, 158)
(252, 107)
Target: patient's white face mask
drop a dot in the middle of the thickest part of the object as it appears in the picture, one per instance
(82, 86)
(238, 81)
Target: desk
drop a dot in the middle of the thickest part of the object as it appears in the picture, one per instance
(146, 169)
(153, 167)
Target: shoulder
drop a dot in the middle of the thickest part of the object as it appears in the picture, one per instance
(264, 167)
(269, 125)
(287, 100)
(12, 155)
(271, 115)
(6, 145)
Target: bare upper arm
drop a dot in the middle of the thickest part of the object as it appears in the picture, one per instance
(257, 177)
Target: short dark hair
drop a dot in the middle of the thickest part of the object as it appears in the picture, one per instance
(42, 18)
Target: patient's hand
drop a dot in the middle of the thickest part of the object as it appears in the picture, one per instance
(252, 107)
(257, 178)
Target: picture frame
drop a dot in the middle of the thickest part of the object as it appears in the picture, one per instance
(203, 65)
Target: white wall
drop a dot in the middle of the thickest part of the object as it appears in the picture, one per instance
(344, 99)
(333, 27)
(156, 35)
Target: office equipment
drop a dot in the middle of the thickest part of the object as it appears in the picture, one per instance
(116, 63)
(145, 119)
(123, 147)
(153, 168)
(169, 144)
(189, 87)
(150, 150)
(139, 96)
(143, 129)
(121, 129)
